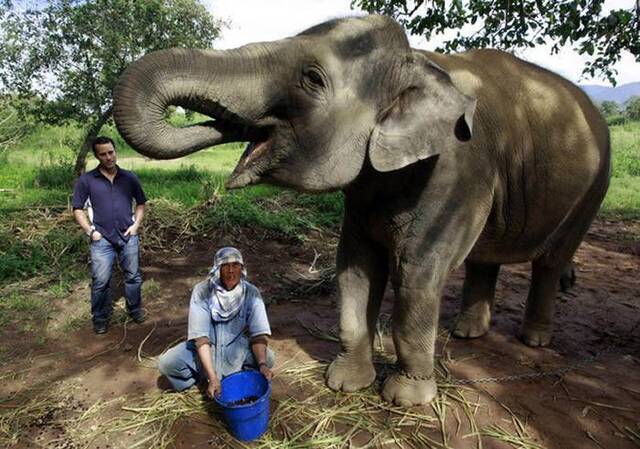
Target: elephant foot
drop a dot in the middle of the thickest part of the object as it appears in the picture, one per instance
(345, 374)
(401, 390)
(474, 322)
(536, 335)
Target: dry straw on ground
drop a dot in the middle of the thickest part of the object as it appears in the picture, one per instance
(319, 417)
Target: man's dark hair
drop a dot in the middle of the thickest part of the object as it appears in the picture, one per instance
(101, 140)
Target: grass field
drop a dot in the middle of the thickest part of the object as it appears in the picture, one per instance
(623, 197)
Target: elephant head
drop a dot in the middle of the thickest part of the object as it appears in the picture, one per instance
(315, 108)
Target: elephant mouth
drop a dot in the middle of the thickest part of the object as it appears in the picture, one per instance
(229, 126)
(252, 152)
(232, 127)
(253, 163)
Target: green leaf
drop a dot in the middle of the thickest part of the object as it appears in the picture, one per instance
(512, 25)
(68, 55)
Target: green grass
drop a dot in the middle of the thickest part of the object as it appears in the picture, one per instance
(61, 288)
(273, 209)
(24, 254)
(625, 144)
(150, 288)
(74, 322)
(185, 184)
(23, 310)
(623, 197)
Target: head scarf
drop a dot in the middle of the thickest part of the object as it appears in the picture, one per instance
(225, 304)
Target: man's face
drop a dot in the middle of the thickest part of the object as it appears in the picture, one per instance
(230, 274)
(106, 154)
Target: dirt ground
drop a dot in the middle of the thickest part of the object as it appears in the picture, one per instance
(584, 391)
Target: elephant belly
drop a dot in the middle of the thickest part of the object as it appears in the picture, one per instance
(491, 252)
(529, 232)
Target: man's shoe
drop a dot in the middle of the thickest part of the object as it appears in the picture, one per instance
(100, 329)
(138, 319)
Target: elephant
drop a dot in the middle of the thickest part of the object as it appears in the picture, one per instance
(476, 157)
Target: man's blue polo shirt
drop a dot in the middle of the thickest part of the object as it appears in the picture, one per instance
(111, 203)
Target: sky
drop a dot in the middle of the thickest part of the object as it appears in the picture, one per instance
(267, 20)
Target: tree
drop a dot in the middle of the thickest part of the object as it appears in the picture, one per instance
(66, 57)
(609, 108)
(12, 129)
(632, 108)
(511, 24)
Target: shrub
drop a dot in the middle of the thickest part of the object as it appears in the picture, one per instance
(617, 119)
(185, 173)
(54, 177)
(33, 244)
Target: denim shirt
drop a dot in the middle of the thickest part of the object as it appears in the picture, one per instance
(229, 339)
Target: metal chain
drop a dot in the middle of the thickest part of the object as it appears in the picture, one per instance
(404, 373)
(514, 377)
(525, 376)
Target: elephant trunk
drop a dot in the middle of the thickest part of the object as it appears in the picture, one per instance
(224, 85)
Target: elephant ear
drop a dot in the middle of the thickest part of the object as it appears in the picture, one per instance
(429, 116)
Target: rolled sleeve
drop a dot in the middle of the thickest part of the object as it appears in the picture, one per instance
(199, 313)
(258, 321)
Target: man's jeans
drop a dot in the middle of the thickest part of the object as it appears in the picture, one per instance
(103, 255)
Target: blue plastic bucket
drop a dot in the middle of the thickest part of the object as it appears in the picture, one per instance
(248, 421)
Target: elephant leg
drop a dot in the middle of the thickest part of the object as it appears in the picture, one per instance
(537, 326)
(477, 300)
(362, 277)
(415, 324)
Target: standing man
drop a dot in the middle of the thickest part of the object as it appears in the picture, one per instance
(114, 231)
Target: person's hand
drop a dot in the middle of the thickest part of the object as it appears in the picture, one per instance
(95, 236)
(131, 230)
(214, 388)
(266, 372)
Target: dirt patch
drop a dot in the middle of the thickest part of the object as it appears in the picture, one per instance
(581, 392)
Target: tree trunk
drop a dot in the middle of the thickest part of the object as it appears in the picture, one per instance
(92, 132)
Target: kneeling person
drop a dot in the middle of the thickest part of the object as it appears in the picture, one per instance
(228, 329)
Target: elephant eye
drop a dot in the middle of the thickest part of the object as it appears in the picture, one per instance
(313, 77)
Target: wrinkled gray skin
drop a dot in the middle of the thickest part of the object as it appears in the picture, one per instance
(476, 157)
